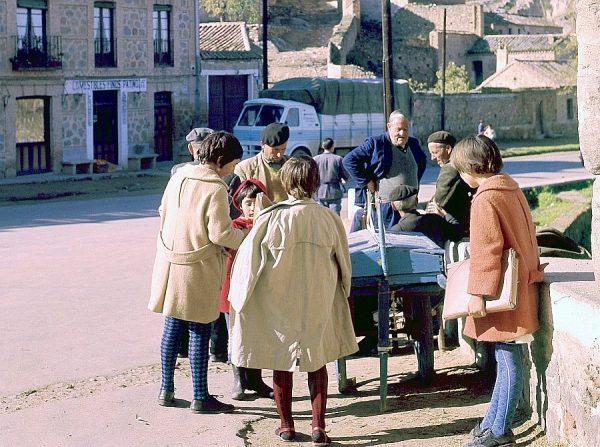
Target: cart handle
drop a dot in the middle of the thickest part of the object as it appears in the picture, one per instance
(374, 204)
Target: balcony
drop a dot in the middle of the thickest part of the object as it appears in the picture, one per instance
(163, 54)
(104, 52)
(37, 53)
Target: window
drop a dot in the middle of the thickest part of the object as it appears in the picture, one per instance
(293, 118)
(269, 114)
(161, 33)
(32, 136)
(104, 42)
(570, 111)
(33, 47)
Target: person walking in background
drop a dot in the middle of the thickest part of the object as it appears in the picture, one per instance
(188, 268)
(500, 219)
(247, 200)
(289, 305)
(386, 163)
(332, 175)
(480, 126)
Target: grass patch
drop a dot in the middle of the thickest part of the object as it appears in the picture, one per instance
(536, 147)
(547, 206)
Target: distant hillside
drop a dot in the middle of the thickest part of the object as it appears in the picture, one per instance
(558, 11)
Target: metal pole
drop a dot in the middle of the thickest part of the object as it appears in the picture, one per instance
(388, 75)
(443, 96)
(196, 118)
(265, 67)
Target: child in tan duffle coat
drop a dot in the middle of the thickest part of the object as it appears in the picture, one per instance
(500, 219)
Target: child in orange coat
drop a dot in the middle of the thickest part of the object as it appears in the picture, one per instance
(500, 219)
(244, 200)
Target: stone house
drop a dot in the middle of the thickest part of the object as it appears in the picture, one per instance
(82, 81)
(231, 72)
(492, 53)
(496, 23)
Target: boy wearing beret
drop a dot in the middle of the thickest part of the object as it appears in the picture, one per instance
(265, 165)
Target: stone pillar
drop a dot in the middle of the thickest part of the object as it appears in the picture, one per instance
(588, 96)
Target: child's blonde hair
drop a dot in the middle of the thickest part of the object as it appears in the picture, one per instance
(300, 177)
(476, 155)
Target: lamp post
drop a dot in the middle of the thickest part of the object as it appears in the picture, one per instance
(388, 75)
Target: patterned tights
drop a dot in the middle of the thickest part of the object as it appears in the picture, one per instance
(198, 354)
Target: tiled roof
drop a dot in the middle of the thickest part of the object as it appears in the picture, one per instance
(516, 43)
(515, 19)
(532, 74)
(226, 40)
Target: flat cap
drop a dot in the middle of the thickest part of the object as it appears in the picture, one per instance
(275, 134)
(404, 192)
(197, 134)
(442, 137)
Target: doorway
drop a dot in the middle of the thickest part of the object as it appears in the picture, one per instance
(33, 136)
(106, 126)
(163, 126)
(226, 96)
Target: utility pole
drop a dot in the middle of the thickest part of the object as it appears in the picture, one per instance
(388, 74)
(443, 95)
(196, 34)
(265, 66)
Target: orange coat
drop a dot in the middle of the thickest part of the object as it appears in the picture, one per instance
(500, 219)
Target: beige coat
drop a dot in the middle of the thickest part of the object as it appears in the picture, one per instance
(500, 219)
(257, 167)
(190, 264)
(289, 287)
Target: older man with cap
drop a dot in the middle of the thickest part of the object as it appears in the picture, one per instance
(265, 165)
(194, 138)
(452, 198)
(386, 163)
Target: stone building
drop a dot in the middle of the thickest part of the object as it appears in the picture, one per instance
(83, 81)
(231, 72)
(496, 23)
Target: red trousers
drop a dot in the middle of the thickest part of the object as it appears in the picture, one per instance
(283, 382)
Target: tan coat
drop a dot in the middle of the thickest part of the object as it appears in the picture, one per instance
(190, 264)
(500, 219)
(289, 287)
(257, 167)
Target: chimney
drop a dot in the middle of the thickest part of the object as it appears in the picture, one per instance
(501, 57)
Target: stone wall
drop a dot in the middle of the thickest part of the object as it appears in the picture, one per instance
(511, 114)
(565, 354)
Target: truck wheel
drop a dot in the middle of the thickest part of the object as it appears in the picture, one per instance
(422, 334)
(300, 152)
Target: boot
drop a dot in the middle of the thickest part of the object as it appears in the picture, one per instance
(239, 379)
(255, 382)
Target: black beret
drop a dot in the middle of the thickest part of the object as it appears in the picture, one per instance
(275, 134)
(197, 134)
(442, 137)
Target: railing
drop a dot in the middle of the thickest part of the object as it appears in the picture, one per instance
(43, 52)
(33, 158)
(105, 52)
(163, 52)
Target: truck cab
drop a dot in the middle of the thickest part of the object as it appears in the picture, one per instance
(302, 119)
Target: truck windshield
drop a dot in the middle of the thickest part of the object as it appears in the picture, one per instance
(257, 115)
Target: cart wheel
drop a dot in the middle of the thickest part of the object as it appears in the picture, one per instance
(422, 334)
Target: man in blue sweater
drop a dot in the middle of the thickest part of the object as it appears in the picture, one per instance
(388, 163)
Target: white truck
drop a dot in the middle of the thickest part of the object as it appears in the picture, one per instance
(346, 110)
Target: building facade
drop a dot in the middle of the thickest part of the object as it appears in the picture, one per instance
(94, 80)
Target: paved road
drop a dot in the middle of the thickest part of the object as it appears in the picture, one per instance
(75, 279)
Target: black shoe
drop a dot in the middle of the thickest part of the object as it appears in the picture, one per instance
(218, 358)
(166, 398)
(254, 382)
(488, 439)
(319, 437)
(210, 405)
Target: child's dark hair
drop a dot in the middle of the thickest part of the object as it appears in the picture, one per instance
(476, 155)
(300, 177)
(248, 191)
(327, 144)
(219, 148)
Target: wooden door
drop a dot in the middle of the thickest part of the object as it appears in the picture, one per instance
(106, 126)
(226, 96)
(163, 126)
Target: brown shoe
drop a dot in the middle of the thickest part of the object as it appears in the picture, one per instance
(210, 405)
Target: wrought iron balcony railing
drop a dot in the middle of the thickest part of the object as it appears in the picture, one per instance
(105, 51)
(163, 52)
(36, 53)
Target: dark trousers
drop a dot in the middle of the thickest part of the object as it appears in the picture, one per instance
(219, 336)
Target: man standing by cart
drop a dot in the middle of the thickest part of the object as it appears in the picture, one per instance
(387, 163)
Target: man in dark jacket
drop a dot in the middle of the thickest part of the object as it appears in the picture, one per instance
(452, 198)
(386, 163)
